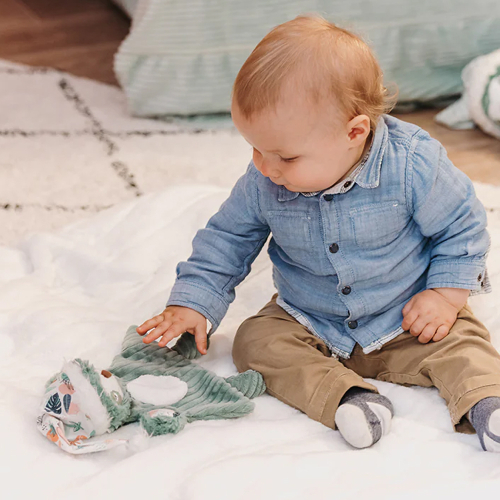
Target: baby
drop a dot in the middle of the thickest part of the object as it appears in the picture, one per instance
(377, 242)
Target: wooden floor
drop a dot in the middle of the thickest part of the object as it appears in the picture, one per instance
(77, 36)
(472, 151)
(81, 37)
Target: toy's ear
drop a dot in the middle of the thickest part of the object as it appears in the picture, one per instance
(186, 346)
(163, 421)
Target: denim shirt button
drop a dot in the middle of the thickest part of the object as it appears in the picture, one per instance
(334, 248)
(328, 197)
(347, 184)
(479, 277)
(346, 290)
(352, 324)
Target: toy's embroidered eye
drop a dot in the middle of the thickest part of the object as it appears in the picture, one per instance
(116, 396)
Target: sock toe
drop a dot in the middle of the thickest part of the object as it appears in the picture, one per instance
(352, 425)
(363, 417)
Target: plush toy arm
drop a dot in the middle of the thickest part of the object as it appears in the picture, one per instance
(162, 421)
(186, 346)
(249, 383)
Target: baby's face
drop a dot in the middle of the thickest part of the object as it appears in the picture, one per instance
(298, 146)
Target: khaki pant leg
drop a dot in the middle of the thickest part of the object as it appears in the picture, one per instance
(464, 366)
(297, 366)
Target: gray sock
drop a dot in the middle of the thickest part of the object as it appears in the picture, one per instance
(485, 418)
(363, 417)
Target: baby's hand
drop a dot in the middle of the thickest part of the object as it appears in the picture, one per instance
(174, 321)
(428, 315)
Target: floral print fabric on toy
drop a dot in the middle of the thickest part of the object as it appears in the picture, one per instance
(66, 413)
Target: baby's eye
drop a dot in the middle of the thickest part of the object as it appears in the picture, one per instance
(288, 160)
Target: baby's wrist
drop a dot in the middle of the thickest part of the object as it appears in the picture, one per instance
(457, 297)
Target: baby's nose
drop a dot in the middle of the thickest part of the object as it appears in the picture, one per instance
(267, 169)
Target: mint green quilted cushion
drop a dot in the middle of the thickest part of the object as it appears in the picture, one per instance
(181, 57)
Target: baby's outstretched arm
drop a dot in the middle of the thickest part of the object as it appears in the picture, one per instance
(222, 255)
(223, 252)
(174, 321)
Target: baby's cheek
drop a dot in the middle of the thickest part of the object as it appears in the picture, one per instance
(302, 176)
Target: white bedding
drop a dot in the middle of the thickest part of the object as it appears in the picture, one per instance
(72, 293)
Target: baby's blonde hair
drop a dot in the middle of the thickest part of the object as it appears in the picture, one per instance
(313, 55)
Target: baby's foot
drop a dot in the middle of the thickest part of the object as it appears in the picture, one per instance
(363, 417)
(485, 418)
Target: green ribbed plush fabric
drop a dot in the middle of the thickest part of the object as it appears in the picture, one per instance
(208, 397)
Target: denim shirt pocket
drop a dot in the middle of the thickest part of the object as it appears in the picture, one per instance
(292, 232)
(379, 224)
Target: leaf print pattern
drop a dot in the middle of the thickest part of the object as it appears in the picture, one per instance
(77, 440)
(66, 388)
(54, 404)
(52, 434)
(67, 402)
(73, 409)
(76, 426)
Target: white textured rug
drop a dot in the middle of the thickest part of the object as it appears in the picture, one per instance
(68, 149)
(72, 291)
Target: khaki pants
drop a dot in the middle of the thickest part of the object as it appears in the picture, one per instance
(298, 368)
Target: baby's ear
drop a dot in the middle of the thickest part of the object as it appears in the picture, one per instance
(163, 421)
(358, 129)
(186, 346)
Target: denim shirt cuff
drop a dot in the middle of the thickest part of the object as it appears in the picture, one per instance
(201, 299)
(459, 273)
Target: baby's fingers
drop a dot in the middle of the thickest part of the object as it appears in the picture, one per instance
(157, 332)
(200, 336)
(174, 330)
(441, 333)
(406, 309)
(409, 319)
(427, 333)
(150, 323)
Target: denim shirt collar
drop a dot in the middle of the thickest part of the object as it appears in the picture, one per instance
(369, 177)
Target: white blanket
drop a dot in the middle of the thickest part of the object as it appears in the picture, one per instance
(72, 293)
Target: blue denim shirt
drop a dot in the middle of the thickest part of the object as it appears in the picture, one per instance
(347, 259)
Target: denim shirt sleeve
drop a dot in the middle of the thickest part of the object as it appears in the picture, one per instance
(443, 203)
(223, 253)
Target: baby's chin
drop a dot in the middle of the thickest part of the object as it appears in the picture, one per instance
(295, 189)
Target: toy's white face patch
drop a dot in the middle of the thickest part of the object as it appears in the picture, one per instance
(157, 390)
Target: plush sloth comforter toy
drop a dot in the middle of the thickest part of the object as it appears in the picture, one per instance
(156, 386)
